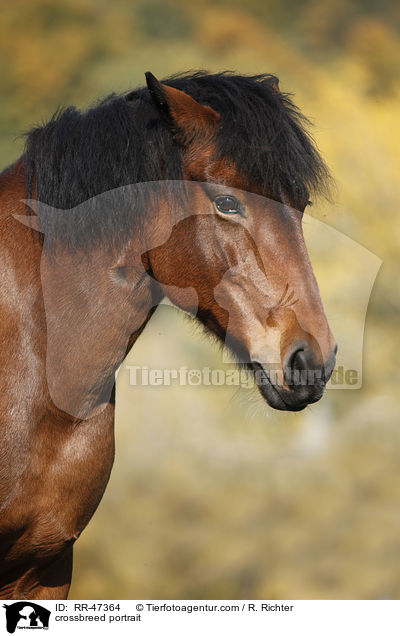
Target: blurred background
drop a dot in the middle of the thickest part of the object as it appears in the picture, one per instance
(213, 495)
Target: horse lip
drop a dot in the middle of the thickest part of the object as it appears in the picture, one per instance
(276, 396)
(269, 392)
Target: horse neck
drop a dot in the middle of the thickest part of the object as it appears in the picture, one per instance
(95, 309)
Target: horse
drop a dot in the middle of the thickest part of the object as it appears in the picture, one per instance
(192, 188)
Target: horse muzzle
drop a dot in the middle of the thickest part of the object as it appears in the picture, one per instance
(301, 382)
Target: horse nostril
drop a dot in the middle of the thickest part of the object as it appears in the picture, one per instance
(298, 363)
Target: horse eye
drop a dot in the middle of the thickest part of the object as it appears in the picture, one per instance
(227, 205)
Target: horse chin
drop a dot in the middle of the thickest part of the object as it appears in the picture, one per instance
(276, 398)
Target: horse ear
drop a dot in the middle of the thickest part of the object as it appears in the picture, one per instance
(273, 81)
(185, 116)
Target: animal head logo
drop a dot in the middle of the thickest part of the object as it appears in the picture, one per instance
(26, 615)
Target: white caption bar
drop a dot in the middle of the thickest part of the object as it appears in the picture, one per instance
(179, 618)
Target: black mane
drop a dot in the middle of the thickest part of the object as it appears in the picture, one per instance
(124, 140)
